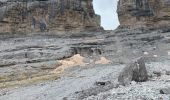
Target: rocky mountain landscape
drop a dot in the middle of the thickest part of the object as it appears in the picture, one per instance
(57, 50)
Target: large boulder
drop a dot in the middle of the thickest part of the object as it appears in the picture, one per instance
(135, 71)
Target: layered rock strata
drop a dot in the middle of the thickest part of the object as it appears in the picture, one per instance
(150, 14)
(47, 15)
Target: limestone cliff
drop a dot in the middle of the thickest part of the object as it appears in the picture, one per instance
(47, 15)
(144, 13)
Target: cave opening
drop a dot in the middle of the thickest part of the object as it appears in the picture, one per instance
(107, 10)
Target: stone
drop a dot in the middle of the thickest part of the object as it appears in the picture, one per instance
(167, 73)
(102, 83)
(135, 71)
(146, 14)
(133, 83)
(50, 65)
(48, 15)
(165, 91)
(157, 73)
(145, 53)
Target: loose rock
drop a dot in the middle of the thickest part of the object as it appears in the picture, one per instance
(165, 91)
(167, 72)
(158, 74)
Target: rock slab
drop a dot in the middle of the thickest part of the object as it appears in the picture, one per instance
(135, 71)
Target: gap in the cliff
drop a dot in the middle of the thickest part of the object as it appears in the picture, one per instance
(107, 10)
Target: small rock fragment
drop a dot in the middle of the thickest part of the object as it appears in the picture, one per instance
(133, 83)
(167, 72)
(102, 83)
(145, 53)
(165, 91)
(168, 53)
(155, 56)
(158, 74)
(65, 98)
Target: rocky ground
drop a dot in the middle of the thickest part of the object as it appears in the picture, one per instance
(29, 62)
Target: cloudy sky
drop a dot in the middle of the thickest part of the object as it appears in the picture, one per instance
(107, 10)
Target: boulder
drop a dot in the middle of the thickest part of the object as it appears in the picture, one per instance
(135, 71)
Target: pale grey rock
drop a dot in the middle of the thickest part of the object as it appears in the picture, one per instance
(165, 91)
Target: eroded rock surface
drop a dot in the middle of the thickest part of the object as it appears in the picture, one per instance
(26, 57)
(48, 15)
(150, 14)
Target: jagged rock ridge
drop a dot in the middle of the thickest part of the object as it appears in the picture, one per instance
(47, 15)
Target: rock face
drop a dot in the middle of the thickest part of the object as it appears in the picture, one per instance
(151, 14)
(47, 15)
(135, 71)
